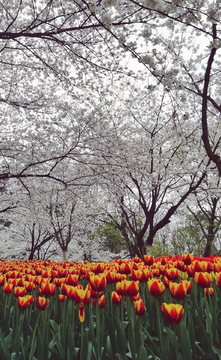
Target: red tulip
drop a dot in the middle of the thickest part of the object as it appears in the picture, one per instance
(82, 296)
(139, 307)
(62, 272)
(99, 268)
(101, 302)
(125, 269)
(19, 291)
(62, 298)
(209, 291)
(7, 288)
(156, 287)
(180, 265)
(135, 298)
(30, 298)
(57, 281)
(111, 277)
(81, 312)
(29, 285)
(148, 260)
(121, 288)
(72, 279)
(202, 266)
(188, 285)
(138, 275)
(217, 267)
(12, 281)
(64, 288)
(42, 303)
(68, 291)
(2, 280)
(45, 273)
(48, 289)
(116, 299)
(20, 282)
(132, 288)
(166, 281)
(137, 260)
(187, 259)
(155, 272)
(203, 279)
(190, 269)
(54, 274)
(218, 279)
(12, 274)
(178, 291)
(23, 302)
(172, 274)
(146, 273)
(98, 282)
(94, 294)
(172, 312)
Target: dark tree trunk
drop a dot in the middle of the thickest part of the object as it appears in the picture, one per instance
(211, 228)
(31, 256)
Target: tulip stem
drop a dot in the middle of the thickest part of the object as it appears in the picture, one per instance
(82, 339)
(141, 331)
(33, 339)
(122, 310)
(16, 316)
(98, 328)
(175, 341)
(73, 313)
(159, 325)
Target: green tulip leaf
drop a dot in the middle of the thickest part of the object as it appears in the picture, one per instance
(142, 355)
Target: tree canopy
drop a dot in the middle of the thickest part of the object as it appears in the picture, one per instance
(119, 99)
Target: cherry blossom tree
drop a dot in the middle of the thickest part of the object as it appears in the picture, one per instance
(148, 164)
(72, 44)
(64, 218)
(64, 119)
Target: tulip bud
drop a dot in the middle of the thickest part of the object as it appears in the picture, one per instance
(62, 298)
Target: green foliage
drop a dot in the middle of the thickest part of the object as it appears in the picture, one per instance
(113, 238)
(159, 249)
(188, 239)
(191, 238)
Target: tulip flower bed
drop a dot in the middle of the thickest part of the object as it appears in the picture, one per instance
(165, 308)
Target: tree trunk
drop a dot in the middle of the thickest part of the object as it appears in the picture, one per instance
(31, 256)
(64, 253)
(211, 228)
(146, 249)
